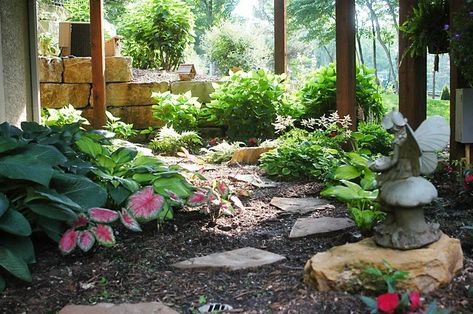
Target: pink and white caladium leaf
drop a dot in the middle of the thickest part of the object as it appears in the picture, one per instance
(223, 189)
(128, 221)
(102, 215)
(226, 208)
(104, 235)
(198, 198)
(175, 199)
(68, 241)
(145, 204)
(85, 240)
(81, 221)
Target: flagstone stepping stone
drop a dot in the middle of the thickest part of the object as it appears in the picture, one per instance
(243, 258)
(108, 308)
(301, 205)
(314, 226)
(255, 180)
(196, 167)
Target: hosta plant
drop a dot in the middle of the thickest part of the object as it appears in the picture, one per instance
(181, 112)
(169, 142)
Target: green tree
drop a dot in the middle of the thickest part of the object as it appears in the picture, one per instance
(209, 13)
(79, 10)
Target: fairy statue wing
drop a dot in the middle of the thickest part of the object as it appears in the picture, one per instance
(432, 136)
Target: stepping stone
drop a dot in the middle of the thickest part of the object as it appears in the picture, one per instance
(125, 308)
(300, 205)
(244, 258)
(255, 180)
(314, 226)
(196, 167)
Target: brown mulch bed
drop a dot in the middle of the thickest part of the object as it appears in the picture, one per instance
(138, 268)
(146, 76)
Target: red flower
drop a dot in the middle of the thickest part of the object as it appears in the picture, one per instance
(469, 179)
(252, 140)
(414, 299)
(388, 302)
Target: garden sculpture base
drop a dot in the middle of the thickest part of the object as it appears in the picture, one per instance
(342, 268)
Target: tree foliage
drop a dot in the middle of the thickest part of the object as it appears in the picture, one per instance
(156, 33)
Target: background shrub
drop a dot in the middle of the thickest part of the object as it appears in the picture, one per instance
(247, 104)
(445, 93)
(373, 137)
(318, 95)
(231, 45)
(179, 111)
(156, 33)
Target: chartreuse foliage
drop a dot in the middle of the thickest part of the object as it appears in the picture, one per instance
(358, 191)
(318, 95)
(247, 104)
(180, 112)
(39, 190)
(156, 33)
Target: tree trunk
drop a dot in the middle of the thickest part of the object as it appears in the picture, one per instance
(375, 64)
(328, 53)
(433, 83)
(358, 41)
(374, 18)
(393, 14)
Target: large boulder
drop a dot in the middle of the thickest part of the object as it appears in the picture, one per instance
(54, 95)
(342, 268)
(50, 70)
(79, 70)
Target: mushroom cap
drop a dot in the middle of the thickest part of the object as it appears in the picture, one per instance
(409, 192)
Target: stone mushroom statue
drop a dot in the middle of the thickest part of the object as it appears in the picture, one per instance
(403, 192)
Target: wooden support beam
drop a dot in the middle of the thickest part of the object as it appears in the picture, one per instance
(412, 75)
(457, 150)
(98, 62)
(280, 37)
(346, 66)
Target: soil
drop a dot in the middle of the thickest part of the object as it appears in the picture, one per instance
(146, 76)
(138, 268)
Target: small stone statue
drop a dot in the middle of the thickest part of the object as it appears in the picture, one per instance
(403, 192)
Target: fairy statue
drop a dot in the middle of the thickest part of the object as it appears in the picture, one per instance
(403, 192)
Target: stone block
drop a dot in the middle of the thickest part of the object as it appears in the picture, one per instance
(201, 90)
(54, 95)
(341, 268)
(249, 155)
(50, 70)
(79, 70)
(125, 308)
(133, 94)
(140, 116)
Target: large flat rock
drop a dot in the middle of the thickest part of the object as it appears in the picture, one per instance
(317, 226)
(50, 69)
(429, 268)
(108, 308)
(54, 95)
(300, 205)
(244, 258)
(260, 182)
(79, 70)
(248, 155)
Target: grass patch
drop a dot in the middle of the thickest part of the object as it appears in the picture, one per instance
(435, 107)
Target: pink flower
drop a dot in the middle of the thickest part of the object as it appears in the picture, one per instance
(414, 299)
(469, 179)
(145, 204)
(252, 140)
(388, 302)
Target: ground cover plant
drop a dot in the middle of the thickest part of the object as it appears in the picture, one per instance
(169, 142)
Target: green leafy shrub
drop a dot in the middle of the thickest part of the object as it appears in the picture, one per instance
(118, 127)
(63, 116)
(247, 104)
(373, 138)
(358, 191)
(179, 111)
(231, 45)
(169, 142)
(445, 93)
(156, 33)
(318, 95)
(221, 152)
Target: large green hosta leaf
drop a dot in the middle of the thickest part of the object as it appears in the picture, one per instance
(35, 163)
(14, 264)
(79, 189)
(53, 228)
(42, 193)
(8, 143)
(15, 223)
(4, 203)
(21, 246)
(52, 210)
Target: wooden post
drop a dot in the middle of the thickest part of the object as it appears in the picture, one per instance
(457, 149)
(346, 67)
(280, 37)
(412, 75)
(98, 62)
